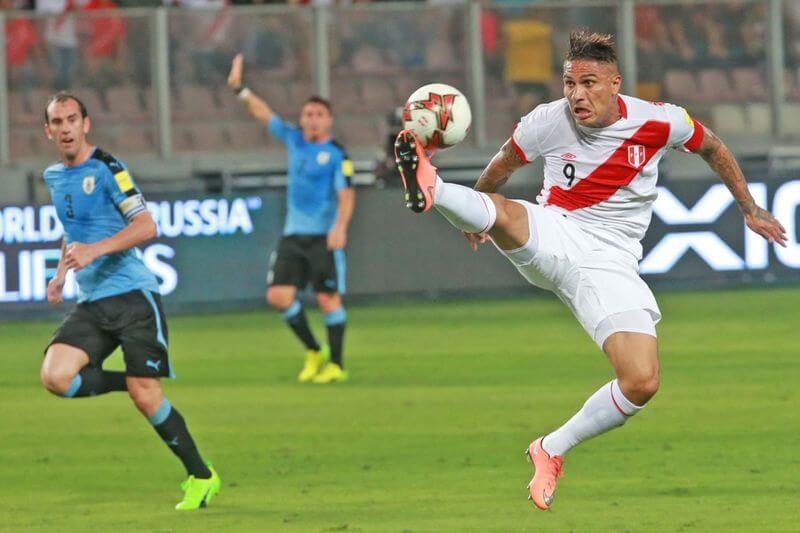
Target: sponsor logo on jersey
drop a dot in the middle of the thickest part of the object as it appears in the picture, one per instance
(636, 155)
(323, 158)
(88, 184)
(568, 156)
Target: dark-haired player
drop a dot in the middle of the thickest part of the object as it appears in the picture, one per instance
(105, 217)
(581, 239)
(320, 201)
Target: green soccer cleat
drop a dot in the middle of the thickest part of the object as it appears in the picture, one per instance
(199, 492)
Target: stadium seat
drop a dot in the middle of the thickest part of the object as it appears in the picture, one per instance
(758, 118)
(108, 140)
(299, 91)
(37, 98)
(275, 95)
(749, 84)
(377, 95)
(791, 118)
(20, 112)
(729, 119)
(227, 103)
(500, 125)
(42, 146)
(181, 140)
(716, 86)
(194, 102)
(98, 108)
(21, 144)
(346, 94)
(791, 87)
(681, 86)
(208, 137)
(137, 141)
(404, 86)
(362, 131)
(246, 136)
(126, 103)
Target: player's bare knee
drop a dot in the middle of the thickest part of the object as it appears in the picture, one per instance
(329, 302)
(56, 380)
(278, 298)
(146, 394)
(641, 386)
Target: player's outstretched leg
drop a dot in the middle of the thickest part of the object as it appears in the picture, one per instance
(203, 482)
(66, 372)
(634, 357)
(466, 209)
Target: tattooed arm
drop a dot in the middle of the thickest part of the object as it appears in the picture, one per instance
(503, 164)
(721, 161)
(494, 176)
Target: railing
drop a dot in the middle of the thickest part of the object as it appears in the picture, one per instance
(154, 79)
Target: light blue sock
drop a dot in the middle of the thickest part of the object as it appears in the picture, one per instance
(74, 386)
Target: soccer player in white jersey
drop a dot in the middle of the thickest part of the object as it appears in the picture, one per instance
(581, 240)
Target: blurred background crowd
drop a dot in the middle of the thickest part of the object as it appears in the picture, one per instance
(711, 57)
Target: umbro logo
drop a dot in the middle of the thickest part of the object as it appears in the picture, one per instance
(568, 156)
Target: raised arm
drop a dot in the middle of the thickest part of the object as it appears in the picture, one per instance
(503, 164)
(721, 161)
(257, 107)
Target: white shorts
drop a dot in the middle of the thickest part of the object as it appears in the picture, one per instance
(596, 281)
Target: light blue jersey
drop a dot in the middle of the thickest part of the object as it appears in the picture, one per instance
(94, 201)
(317, 172)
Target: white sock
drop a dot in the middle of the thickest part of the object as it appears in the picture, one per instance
(606, 409)
(465, 208)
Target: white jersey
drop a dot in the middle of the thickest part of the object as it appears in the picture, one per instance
(605, 178)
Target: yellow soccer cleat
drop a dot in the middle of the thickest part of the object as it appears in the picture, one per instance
(332, 373)
(314, 362)
(199, 492)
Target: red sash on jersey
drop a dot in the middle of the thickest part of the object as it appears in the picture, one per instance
(617, 171)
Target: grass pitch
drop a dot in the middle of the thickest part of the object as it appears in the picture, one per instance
(429, 433)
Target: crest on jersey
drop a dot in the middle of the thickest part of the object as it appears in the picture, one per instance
(88, 184)
(636, 155)
(323, 158)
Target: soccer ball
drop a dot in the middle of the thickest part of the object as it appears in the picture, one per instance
(439, 115)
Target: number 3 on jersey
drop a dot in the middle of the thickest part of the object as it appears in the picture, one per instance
(569, 173)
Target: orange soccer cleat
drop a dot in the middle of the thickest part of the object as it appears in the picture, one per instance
(547, 471)
(419, 175)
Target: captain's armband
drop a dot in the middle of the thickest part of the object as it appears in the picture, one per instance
(132, 206)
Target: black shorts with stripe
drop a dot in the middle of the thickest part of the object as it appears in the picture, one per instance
(134, 320)
(305, 259)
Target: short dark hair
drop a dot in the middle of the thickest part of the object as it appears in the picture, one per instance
(61, 97)
(593, 46)
(319, 100)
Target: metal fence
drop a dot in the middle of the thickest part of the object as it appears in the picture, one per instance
(154, 79)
